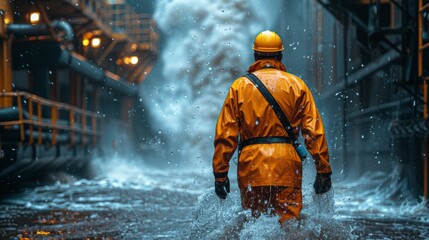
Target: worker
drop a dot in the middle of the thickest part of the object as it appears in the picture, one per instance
(269, 170)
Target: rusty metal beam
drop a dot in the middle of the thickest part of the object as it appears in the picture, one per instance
(143, 76)
(5, 70)
(45, 18)
(106, 52)
(136, 72)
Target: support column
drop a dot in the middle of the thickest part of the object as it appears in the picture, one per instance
(126, 107)
(54, 87)
(345, 127)
(426, 170)
(40, 81)
(74, 81)
(5, 63)
(84, 108)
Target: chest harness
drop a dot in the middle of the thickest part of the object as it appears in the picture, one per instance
(292, 139)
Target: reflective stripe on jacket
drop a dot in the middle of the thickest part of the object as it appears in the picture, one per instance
(246, 113)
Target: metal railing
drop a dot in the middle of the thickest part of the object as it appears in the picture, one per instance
(37, 115)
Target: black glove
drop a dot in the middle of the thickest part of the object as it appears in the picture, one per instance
(222, 188)
(322, 183)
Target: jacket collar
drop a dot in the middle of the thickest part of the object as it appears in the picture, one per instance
(266, 63)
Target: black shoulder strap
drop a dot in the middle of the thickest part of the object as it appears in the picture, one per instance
(273, 103)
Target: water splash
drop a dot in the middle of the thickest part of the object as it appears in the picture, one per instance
(218, 219)
(381, 195)
(225, 219)
(351, 210)
(132, 173)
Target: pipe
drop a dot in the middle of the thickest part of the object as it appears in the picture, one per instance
(29, 30)
(73, 60)
(80, 65)
(381, 107)
(360, 74)
(65, 26)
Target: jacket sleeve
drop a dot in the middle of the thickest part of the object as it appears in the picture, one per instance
(226, 137)
(314, 133)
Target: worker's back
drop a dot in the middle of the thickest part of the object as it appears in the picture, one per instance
(280, 163)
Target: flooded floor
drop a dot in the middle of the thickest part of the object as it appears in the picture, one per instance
(103, 213)
(152, 203)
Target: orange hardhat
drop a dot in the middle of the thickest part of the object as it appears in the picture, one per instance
(268, 41)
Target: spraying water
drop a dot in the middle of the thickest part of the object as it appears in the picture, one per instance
(208, 45)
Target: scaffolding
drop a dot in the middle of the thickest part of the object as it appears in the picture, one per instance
(390, 46)
(121, 20)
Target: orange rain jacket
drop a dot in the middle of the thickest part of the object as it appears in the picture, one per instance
(246, 113)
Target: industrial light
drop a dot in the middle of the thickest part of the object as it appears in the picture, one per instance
(6, 20)
(134, 60)
(34, 17)
(127, 60)
(133, 47)
(95, 42)
(85, 42)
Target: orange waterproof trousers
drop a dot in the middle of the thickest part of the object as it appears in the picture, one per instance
(286, 202)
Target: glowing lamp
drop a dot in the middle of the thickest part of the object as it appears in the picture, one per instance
(95, 42)
(127, 60)
(85, 42)
(34, 17)
(133, 47)
(134, 60)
